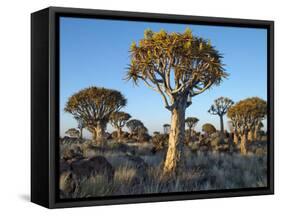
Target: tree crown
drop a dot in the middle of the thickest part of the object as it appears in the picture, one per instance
(119, 119)
(175, 64)
(134, 125)
(220, 106)
(209, 128)
(73, 132)
(191, 121)
(248, 112)
(94, 104)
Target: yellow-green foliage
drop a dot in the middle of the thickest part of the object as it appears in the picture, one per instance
(196, 65)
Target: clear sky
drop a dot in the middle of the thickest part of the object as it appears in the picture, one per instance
(95, 52)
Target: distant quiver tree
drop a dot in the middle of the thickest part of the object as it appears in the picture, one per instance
(94, 106)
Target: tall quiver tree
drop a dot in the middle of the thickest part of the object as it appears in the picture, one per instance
(178, 66)
(118, 121)
(94, 106)
(245, 116)
(191, 123)
(220, 108)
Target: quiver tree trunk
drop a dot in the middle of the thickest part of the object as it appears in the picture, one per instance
(235, 138)
(100, 134)
(256, 134)
(94, 134)
(81, 134)
(243, 144)
(251, 135)
(174, 156)
(222, 127)
(119, 134)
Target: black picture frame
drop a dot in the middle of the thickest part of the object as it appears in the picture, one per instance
(45, 101)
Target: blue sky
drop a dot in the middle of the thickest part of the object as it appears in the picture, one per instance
(95, 52)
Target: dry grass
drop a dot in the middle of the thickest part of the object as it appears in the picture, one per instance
(204, 171)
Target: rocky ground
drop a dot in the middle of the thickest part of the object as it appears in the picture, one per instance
(122, 169)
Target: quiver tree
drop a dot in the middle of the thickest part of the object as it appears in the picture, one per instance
(133, 125)
(72, 132)
(166, 128)
(220, 108)
(81, 126)
(142, 133)
(118, 121)
(178, 66)
(94, 106)
(208, 129)
(245, 115)
(191, 123)
(137, 128)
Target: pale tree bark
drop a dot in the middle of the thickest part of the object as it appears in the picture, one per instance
(251, 135)
(256, 134)
(235, 138)
(243, 143)
(174, 156)
(100, 134)
(119, 134)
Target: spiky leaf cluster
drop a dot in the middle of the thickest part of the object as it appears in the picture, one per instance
(175, 64)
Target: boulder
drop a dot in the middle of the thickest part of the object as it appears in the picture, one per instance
(92, 166)
(73, 171)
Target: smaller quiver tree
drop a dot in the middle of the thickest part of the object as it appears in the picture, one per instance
(118, 121)
(72, 132)
(191, 123)
(133, 125)
(220, 108)
(245, 115)
(94, 106)
(208, 128)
